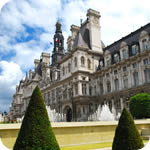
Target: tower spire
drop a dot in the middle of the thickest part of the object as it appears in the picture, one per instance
(58, 27)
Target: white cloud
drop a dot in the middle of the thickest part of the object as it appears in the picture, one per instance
(2, 3)
(118, 18)
(10, 74)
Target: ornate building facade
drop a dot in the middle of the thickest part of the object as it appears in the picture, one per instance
(89, 74)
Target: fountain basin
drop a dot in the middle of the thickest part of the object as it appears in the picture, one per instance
(73, 133)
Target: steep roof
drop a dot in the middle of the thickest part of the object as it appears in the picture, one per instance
(130, 39)
(83, 37)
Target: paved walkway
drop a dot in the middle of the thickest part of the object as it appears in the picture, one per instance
(107, 148)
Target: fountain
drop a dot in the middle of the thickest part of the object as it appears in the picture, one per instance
(103, 113)
(53, 115)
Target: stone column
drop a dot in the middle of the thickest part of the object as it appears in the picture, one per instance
(104, 86)
(79, 88)
(141, 74)
(87, 88)
(130, 77)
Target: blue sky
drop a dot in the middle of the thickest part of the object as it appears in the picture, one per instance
(27, 28)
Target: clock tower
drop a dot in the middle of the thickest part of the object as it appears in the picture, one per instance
(58, 51)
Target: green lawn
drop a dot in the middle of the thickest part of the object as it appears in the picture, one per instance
(87, 146)
(90, 146)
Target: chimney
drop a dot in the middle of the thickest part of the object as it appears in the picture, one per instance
(94, 28)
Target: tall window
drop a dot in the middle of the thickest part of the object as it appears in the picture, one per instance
(134, 65)
(90, 108)
(115, 72)
(69, 67)
(145, 61)
(108, 87)
(89, 64)
(116, 84)
(124, 69)
(76, 89)
(101, 88)
(82, 61)
(75, 61)
(145, 44)
(147, 75)
(125, 82)
(84, 88)
(90, 90)
(63, 70)
(136, 79)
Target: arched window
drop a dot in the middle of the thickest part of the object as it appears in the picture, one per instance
(82, 61)
(75, 61)
(89, 64)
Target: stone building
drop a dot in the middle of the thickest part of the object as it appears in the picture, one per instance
(89, 74)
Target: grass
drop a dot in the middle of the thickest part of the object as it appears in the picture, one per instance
(87, 146)
(90, 146)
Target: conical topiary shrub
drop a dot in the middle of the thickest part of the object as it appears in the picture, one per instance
(36, 131)
(127, 136)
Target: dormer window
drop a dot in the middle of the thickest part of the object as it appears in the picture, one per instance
(134, 50)
(108, 62)
(101, 63)
(145, 44)
(116, 58)
(124, 54)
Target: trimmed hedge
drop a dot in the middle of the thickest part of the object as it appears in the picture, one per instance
(127, 136)
(36, 131)
(139, 106)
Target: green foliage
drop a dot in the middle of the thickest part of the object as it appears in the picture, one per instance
(140, 105)
(36, 131)
(127, 136)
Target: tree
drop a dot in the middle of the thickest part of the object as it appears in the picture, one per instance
(36, 131)
(127, 136)
(140, 105)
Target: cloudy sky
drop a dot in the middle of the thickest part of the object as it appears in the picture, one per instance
(27, 28)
